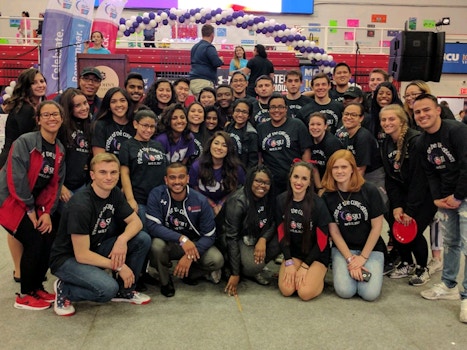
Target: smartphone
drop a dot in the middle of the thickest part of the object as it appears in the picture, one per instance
(366, 276)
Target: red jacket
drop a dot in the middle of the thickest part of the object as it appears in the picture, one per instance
(13, 207)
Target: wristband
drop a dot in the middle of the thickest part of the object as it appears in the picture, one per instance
(183, 240)
(288, 262)
(118, 269)
(349, 259)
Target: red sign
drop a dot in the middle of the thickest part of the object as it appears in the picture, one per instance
(463, 91)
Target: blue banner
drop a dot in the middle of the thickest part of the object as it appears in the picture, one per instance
(455, 58)
(66, 22)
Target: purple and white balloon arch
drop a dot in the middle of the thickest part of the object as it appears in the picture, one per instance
(280, 32)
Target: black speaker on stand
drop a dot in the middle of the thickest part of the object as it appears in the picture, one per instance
(417, 56)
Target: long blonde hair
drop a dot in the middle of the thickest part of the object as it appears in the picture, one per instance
(400, 113)
(236, 59)
(424, 88)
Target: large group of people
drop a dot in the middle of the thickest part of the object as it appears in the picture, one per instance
(227, 179)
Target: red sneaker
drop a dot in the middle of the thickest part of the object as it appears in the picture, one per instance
(44, 295)
(30, 302)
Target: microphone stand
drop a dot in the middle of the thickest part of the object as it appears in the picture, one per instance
(357, 52)
(58, 50)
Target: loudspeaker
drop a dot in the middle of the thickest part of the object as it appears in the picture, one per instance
(417, 56)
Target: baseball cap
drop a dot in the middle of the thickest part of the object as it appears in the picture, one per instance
(91, 70)
(353, 92)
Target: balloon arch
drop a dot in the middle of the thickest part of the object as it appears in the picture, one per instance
(280, 32)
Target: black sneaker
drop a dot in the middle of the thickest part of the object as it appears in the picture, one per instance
(260, 279)
(168, 290)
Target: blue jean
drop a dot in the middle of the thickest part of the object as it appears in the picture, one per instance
(453, 225)
(142, 214)
(88, 282)
(346, 287)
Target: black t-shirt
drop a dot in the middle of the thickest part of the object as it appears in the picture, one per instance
(260, 113)
(333, 112)
(258, 66)
(110, 135)
(77, 159)
(365, 148)
(336, 95)
(178, 222)
(147, 163)
(320, 152)
(296, 105)
(47, 168)
(353, 213)
(281, 145)
(88, 214)
(246, 143)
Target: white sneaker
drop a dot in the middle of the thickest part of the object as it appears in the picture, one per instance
(62, 305)
(133, 298)
(440, 292)
(402, 270)
(214, 276)
(434, 265)
(463, 313)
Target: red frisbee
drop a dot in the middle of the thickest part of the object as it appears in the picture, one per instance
(404, 234)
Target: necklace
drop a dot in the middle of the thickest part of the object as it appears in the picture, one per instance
(344, 201)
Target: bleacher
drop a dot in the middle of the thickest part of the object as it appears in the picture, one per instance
(168, 62)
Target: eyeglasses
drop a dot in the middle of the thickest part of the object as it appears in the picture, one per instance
(50, 115)
(148, 126)
(88, 79)
(262, 183)
(241, 111)
(413, 96)
(279, 108)
(352, 115)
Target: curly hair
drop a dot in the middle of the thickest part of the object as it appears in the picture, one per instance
(166, 119)
(151, 97)
(70, 123)
(231, 164)
(22, 92)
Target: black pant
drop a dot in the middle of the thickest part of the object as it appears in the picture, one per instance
(36, 253)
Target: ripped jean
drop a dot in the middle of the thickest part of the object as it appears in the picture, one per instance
(453, 225)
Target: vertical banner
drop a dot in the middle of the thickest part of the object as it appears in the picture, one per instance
(66, 22)
(55, 34)
(106, 21)
(83, 12)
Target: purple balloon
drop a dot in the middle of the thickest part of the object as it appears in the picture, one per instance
(132, 30)
(250, 22)
(122, 20)
(259, 31)
(165, 22)
(303, 38)
(235, 15)
(309, 49)
(302, 49)
(262, 18)
(277, 27)
(277, 39)
(213, 12)
(264, 30)
(223, 21)
(256, 20)
(135, 24)
(241, 13)
(321, 51)
(284, 39)
(126, 33)
(316, 49)
(139, 19)
(218, 11)
(1, 100)
(202, 20)
(297, 37)
(290, 37)
(229, 18)
(238, 25)
(271, 29)
(244, 25)
(193, 12)
(326, 64)
(152, 15)
(333, 64)
(283, 26)
(181, 19)
(146, 20)
(173, 16)
(207, 16)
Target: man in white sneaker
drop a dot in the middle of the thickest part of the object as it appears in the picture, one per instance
(443, 147)
(98, 230)
(181, 223)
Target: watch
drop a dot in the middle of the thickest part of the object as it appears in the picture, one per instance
(183, 240)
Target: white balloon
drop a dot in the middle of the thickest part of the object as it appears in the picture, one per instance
(133, 18)
(158, 19)
(9, 90)
(287, 32)
(5, 96)
(311, 55)
(13, 84)
(306, 43)
(324, 57)
(122, 27)
(119, 34)
(152, 23)
(218, 17)
(280, 33)
(254, 27)
(300, 43)
(129, 23)
(146, 14)
(198, 16)
(318, 56)
(330, 58)
(293, 30)
(141, 26)
(260, 25)
(312, 44)
(164, 15)
(240, 20)
(327, 70)
(272, 21)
